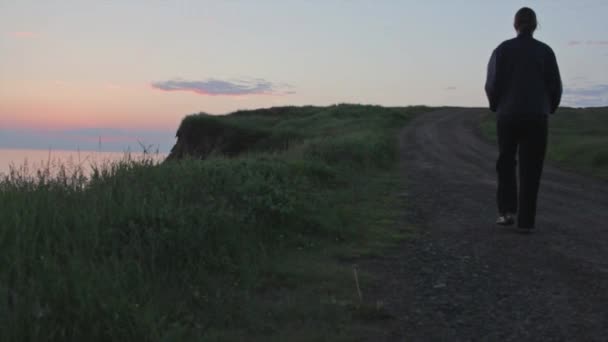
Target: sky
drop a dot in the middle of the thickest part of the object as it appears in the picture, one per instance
(113, 75)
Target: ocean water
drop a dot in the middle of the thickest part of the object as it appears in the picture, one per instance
(34, 160)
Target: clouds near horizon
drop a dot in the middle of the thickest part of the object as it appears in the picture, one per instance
(217, 87)
(588, 42)
(586, 96)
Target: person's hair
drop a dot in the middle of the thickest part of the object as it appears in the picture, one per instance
(525, 21)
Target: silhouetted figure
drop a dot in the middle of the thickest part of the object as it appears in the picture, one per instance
(523, 87)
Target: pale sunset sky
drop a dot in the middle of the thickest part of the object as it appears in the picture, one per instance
(74, 71)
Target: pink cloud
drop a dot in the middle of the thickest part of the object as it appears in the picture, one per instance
(216, 87)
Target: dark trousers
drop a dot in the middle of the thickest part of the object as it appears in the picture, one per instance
(525, 140)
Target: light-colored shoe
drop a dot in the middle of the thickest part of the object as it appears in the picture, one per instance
(505, 220)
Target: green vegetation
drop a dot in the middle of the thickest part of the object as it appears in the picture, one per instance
(578, 139)
(251, 247)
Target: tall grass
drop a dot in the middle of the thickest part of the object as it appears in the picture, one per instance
(143, 251)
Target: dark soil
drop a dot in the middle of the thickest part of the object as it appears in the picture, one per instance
(464, 279)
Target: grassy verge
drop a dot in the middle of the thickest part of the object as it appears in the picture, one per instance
(578, 139)
(222, 249)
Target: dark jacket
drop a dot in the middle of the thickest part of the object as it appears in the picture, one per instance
(523, 79)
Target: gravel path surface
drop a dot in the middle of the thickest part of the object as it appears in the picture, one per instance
(465, 279)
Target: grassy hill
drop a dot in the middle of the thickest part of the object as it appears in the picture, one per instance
(241, 235)
(578, 139)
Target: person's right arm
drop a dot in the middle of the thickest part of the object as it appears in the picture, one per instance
(492, 82)
(553, 81)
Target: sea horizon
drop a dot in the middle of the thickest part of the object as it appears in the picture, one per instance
(36, 159)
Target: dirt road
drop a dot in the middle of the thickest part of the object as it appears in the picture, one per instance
(465, 279)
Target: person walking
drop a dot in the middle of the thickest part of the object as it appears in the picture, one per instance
(523, 87)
